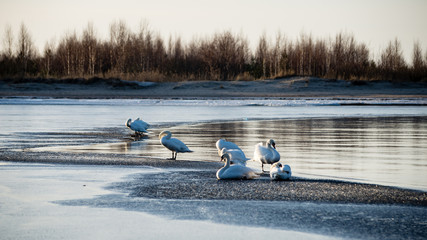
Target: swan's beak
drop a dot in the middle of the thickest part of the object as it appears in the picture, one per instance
(274, 145)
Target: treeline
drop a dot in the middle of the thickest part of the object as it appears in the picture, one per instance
(145, 55)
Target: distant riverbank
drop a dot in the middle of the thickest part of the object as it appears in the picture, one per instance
(277, 88)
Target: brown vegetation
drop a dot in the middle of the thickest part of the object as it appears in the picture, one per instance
(145, 55)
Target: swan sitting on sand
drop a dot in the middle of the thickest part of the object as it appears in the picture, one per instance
(173, 144)
(235, 171)
(138, 126)
(279, 172)
(237, 156)
(266, 154)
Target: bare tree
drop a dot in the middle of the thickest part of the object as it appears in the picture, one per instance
(320, 58)
(417, 57)
(89, 43)
(119, 35)
(392, 61)
(25, 48)
(159, 54)
(419, 68)
(8, 42)
(225, 45)
(338, 55)
(207, 52)
(276, 54)
(262, 53)
(67, 53)
(48, 56)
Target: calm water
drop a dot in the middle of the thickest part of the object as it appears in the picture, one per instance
(383, 144)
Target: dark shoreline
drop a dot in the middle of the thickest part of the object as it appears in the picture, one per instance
(203, 185)
(293, 87)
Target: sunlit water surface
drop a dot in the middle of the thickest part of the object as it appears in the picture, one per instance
(384, 143)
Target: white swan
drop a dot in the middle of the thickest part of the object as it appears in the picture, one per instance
(234, 171)
(138, 126)
(279, 172)
(237, 156)
(222, 143)
(173, 144)
(266, 154)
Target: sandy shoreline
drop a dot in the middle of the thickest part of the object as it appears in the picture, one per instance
(280, 88)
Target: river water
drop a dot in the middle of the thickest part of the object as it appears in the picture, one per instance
(380, 141)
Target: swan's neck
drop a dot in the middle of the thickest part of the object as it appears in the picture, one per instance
(166, 135)
(128, 123)
(227, 161)
(223, 169)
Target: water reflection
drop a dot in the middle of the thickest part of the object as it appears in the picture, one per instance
(385, 150)
(382, 150)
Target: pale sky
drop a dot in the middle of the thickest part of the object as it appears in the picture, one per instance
(374, 22)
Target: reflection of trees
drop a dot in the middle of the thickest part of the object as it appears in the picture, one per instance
(345, 144)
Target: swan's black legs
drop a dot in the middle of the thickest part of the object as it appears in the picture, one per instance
(174, 154)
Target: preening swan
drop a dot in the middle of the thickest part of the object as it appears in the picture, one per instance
(237, 156)
(234, 171)
(266, 154)
(138, 126)
(279, 172)
(222, 143)
(173, 144)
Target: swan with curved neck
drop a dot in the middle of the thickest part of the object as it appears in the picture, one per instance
(234, 171)
(173, 144)
(138, 126)
(266, 154)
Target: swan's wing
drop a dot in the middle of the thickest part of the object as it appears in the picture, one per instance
(178, 146)
(236, 155)
(139, 125)
(276, 155)
(220, 144)
(238, 172)
(232, 145)
(239, 162)
(286, 170)
(262, 153)
(284, 175)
